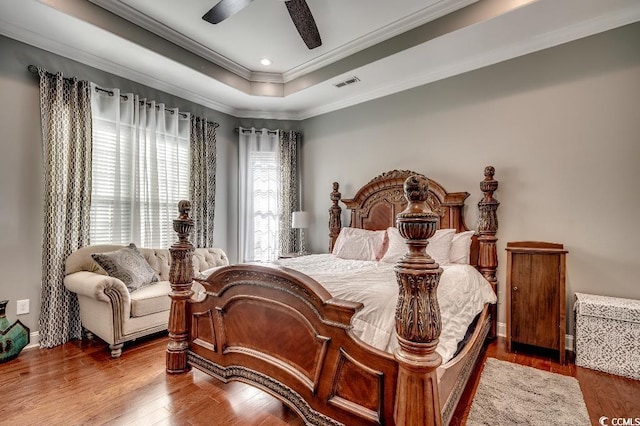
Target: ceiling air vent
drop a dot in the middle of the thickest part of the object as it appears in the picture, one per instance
(348, 81)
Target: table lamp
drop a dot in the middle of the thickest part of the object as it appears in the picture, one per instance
(300, 220)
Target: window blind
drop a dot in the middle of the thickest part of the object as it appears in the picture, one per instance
(140, 170)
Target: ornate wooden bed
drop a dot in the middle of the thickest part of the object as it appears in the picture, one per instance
(281, 331)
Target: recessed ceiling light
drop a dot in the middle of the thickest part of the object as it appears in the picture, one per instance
(265, 61)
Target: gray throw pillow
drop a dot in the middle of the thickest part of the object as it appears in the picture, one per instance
(129, 266)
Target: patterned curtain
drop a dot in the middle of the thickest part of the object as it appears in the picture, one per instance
(65, 110)
(203, 180)
(289, 196)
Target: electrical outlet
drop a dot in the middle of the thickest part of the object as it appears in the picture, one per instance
(23, 307)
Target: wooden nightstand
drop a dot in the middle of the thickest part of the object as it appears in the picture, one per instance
(535, 295)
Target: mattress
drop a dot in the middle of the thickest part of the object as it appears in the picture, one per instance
(462, 294)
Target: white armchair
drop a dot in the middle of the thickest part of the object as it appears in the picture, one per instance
(110, 311)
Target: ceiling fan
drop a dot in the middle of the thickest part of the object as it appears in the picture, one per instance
(298, 10)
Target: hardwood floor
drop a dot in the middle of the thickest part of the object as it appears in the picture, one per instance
(78, 383)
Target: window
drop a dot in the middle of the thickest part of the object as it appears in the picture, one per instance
(265, 213)
(268, 193)
(259, 182)
(140, 170)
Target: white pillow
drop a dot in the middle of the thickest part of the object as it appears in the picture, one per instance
(396, 247)
(359, 244)
(438, 248)
(461, 247)
(440, 245)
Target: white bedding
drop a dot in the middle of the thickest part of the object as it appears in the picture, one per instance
(462, 293)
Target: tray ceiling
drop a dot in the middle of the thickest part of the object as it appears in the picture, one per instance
(388, 46)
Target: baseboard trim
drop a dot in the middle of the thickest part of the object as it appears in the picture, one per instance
(34, 340)
(568, 338)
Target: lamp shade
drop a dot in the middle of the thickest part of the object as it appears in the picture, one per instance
(300, 219)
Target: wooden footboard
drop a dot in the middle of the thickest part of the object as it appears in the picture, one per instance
(280, 330)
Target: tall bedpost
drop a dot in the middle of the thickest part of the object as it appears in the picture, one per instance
(181, 279)
(335, 219)
(487, 228)
(418, 323)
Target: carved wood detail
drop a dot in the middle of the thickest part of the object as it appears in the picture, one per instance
(409, 391)
(181, 279)
(258, 278)
(279, 390)
(304, 354)
(335, 216)
(288, 282)
(487, 229)
(418, 323)
(376, 204)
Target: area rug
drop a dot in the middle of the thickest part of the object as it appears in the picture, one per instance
(512, 394)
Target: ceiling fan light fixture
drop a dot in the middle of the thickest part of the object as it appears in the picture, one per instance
(265, 61)
(298, 11)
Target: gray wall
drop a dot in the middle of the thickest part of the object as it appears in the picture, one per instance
(21, 166)
(561, 127)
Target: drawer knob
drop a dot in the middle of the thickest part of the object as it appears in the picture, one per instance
(515, 288)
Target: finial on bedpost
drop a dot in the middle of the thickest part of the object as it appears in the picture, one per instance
(487, 229)
(181, 278)
(335, 213)
(418, 323)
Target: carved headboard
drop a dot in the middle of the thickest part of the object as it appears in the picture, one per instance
(377, 203)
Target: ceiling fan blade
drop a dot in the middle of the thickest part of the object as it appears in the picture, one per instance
(225, 9)
(304, 22)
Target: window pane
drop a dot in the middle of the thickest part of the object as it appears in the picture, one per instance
(140, 172)
(264, 166)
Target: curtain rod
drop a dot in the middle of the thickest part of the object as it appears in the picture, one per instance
(271, 132)
(237, 130)
(34, 70)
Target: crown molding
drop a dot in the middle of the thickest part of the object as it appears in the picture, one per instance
(569, 33)
(425, 15)
(267, 115)
(266, 77)
(30, 37)
(428, 14)
(158, 28)
(490, 57)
